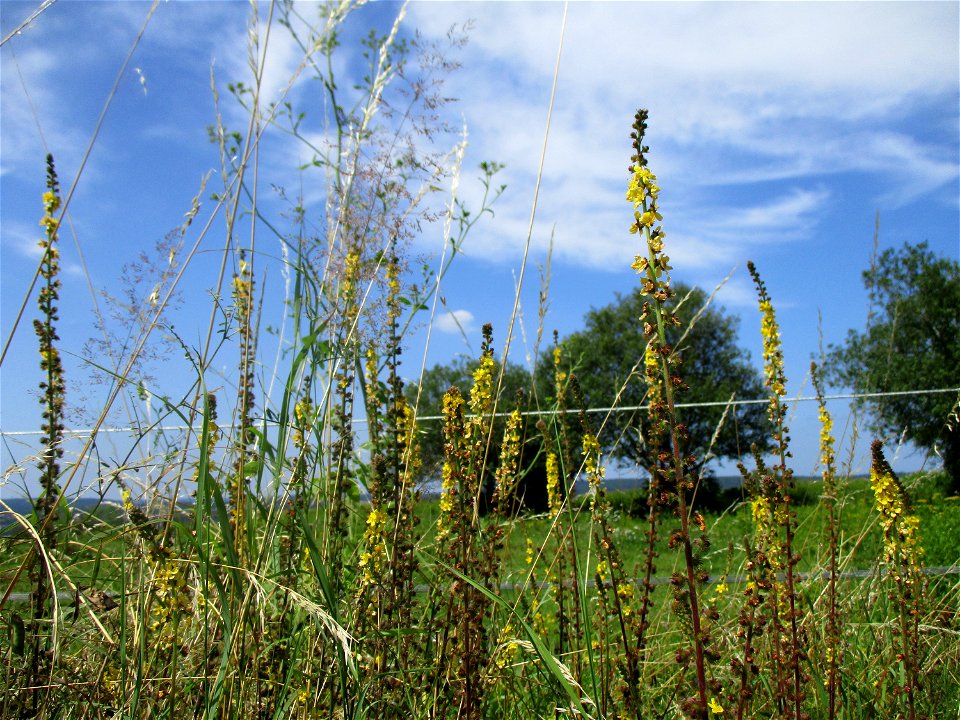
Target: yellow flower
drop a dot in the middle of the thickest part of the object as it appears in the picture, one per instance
(50, 202)
(635, 192)
(507, 646)
(826, 444)
(127, 498)
(602, 571)
(591, 445)
(648, 218)
(715, 707)
(643, 184)
(376, 520)
(303, 410)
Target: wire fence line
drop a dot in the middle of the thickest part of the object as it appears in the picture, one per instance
(79, 432)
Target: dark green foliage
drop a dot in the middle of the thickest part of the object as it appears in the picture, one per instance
(913, 343)
(607, 356)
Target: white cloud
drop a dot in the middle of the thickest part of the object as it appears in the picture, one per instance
(740, 94)
(790, 94)
(790, 211)
(455, 322)
(32, 112)
(24, 241)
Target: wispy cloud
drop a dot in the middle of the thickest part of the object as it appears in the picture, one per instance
(455, 322)
(784, 97)
(794, 210)
(33, 121)
(24, 241)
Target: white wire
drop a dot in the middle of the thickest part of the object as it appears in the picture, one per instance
(627, 408)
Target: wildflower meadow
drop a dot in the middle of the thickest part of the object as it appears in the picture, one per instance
(276, 556)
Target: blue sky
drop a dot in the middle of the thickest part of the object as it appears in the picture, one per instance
(778, 131)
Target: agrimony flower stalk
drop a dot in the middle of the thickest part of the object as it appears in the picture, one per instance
(772, 514)
(52, 394)
(245, 450)
(52, 387)
(558, 439)
(652, 264)
(902, 553)
(828, 463)
(463, 543)
(615, 590)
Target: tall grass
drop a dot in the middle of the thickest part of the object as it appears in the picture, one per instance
(280, 590)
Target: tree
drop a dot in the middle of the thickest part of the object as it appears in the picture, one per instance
(607, 357)
(459, 372)
(912, 343)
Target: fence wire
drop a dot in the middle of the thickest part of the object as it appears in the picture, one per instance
(79, 432)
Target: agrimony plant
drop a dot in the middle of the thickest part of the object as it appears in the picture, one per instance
(772, 552)
(677, 483)
(902, 553)
(52, 396)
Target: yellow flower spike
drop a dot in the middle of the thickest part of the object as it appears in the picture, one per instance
(452, 406)
(559, 375)
(482, 393)
(591, 460)
(409, 444)
(376, 520)
(507, 473)
(554, 498)
(452, 402)
(772, 349)
(901, 553)
(900, 529)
